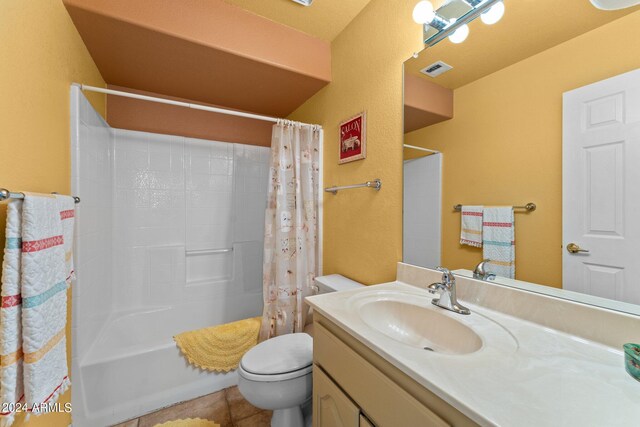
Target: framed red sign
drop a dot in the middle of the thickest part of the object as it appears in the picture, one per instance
(353, 139)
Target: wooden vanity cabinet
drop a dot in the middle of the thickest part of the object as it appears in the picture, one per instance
(331, 406)
(353, 386)
(364, 422)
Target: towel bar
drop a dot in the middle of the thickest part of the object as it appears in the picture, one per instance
(529, 207)
(6, 194)
(376, 184)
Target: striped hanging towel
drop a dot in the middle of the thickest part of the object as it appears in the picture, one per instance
(471, 226)
(11, 388)
(35, 279)
(498, 230)
(44, 300)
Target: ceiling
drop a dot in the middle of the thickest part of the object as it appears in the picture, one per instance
(324, 19)
(527, 28)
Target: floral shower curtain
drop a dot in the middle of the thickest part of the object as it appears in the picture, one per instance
(291, 228)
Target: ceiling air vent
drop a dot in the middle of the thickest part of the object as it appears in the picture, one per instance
(436, 69)
(304, 2)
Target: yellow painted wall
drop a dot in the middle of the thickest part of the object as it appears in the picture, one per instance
(363, 228)
(41, 54)
(504, 144)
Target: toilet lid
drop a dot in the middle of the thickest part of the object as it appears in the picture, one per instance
(279, 355)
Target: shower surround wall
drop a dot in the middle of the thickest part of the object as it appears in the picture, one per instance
(169, 239)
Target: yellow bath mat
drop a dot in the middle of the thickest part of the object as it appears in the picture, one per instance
(219, 348)
(189, 422)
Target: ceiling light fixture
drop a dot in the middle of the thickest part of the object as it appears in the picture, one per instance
(614, 4)
(424, 14)
(491, 16)
(457, 30)
(494, 14)
(460, 34)
(304, 2)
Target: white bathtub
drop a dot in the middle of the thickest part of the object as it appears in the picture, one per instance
(163, 245)
(134, 366)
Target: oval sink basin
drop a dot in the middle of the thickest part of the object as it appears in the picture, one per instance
(429, 328)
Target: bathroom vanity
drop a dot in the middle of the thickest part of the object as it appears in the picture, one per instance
(354, 385)
(385, 356)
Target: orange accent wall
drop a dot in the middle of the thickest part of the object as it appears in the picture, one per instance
(145, 116)
(207, 51)
(425, 103)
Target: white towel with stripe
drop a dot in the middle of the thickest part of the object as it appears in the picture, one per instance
(44, 301)
(471, 226)
(11, 385)
(498, 231)
(44, 271)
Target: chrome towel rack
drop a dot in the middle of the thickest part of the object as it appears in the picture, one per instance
(529, 207)
(6, 194)
(376, 184)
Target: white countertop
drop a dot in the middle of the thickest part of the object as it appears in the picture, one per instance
(524, 375)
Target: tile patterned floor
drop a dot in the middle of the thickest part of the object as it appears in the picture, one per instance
(227, 408)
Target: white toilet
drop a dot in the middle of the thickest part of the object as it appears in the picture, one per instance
(276, 374)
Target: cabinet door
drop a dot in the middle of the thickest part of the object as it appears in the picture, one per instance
(364, 422)
(385, 402)
(331, 407)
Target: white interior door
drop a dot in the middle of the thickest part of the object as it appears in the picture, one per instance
(601, 188)
(422, 211)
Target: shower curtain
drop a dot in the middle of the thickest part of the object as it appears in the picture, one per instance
(291, 228)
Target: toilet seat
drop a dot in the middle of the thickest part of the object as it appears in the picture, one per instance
(274, 377)
(279, 359)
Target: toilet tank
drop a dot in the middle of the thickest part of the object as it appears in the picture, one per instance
(335, 283)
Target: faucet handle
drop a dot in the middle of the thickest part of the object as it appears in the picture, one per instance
(447, 276)
(434, 288)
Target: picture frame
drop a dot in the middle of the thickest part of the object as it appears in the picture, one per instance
(352, 139)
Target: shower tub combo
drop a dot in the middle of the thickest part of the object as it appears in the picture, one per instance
(169, 238)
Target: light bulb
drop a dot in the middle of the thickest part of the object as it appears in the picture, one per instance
(494, 14)
(423, 12)
(460, 34)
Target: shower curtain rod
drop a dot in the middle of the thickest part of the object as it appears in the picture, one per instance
(185, 104)
(421, 149)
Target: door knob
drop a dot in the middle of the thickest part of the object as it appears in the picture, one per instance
(574, 249)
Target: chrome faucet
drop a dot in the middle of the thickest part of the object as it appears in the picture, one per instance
(480, 272)
(447, 289)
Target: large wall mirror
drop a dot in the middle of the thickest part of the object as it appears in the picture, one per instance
(542, 107)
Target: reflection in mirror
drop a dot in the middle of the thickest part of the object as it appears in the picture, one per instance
(542, 107)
